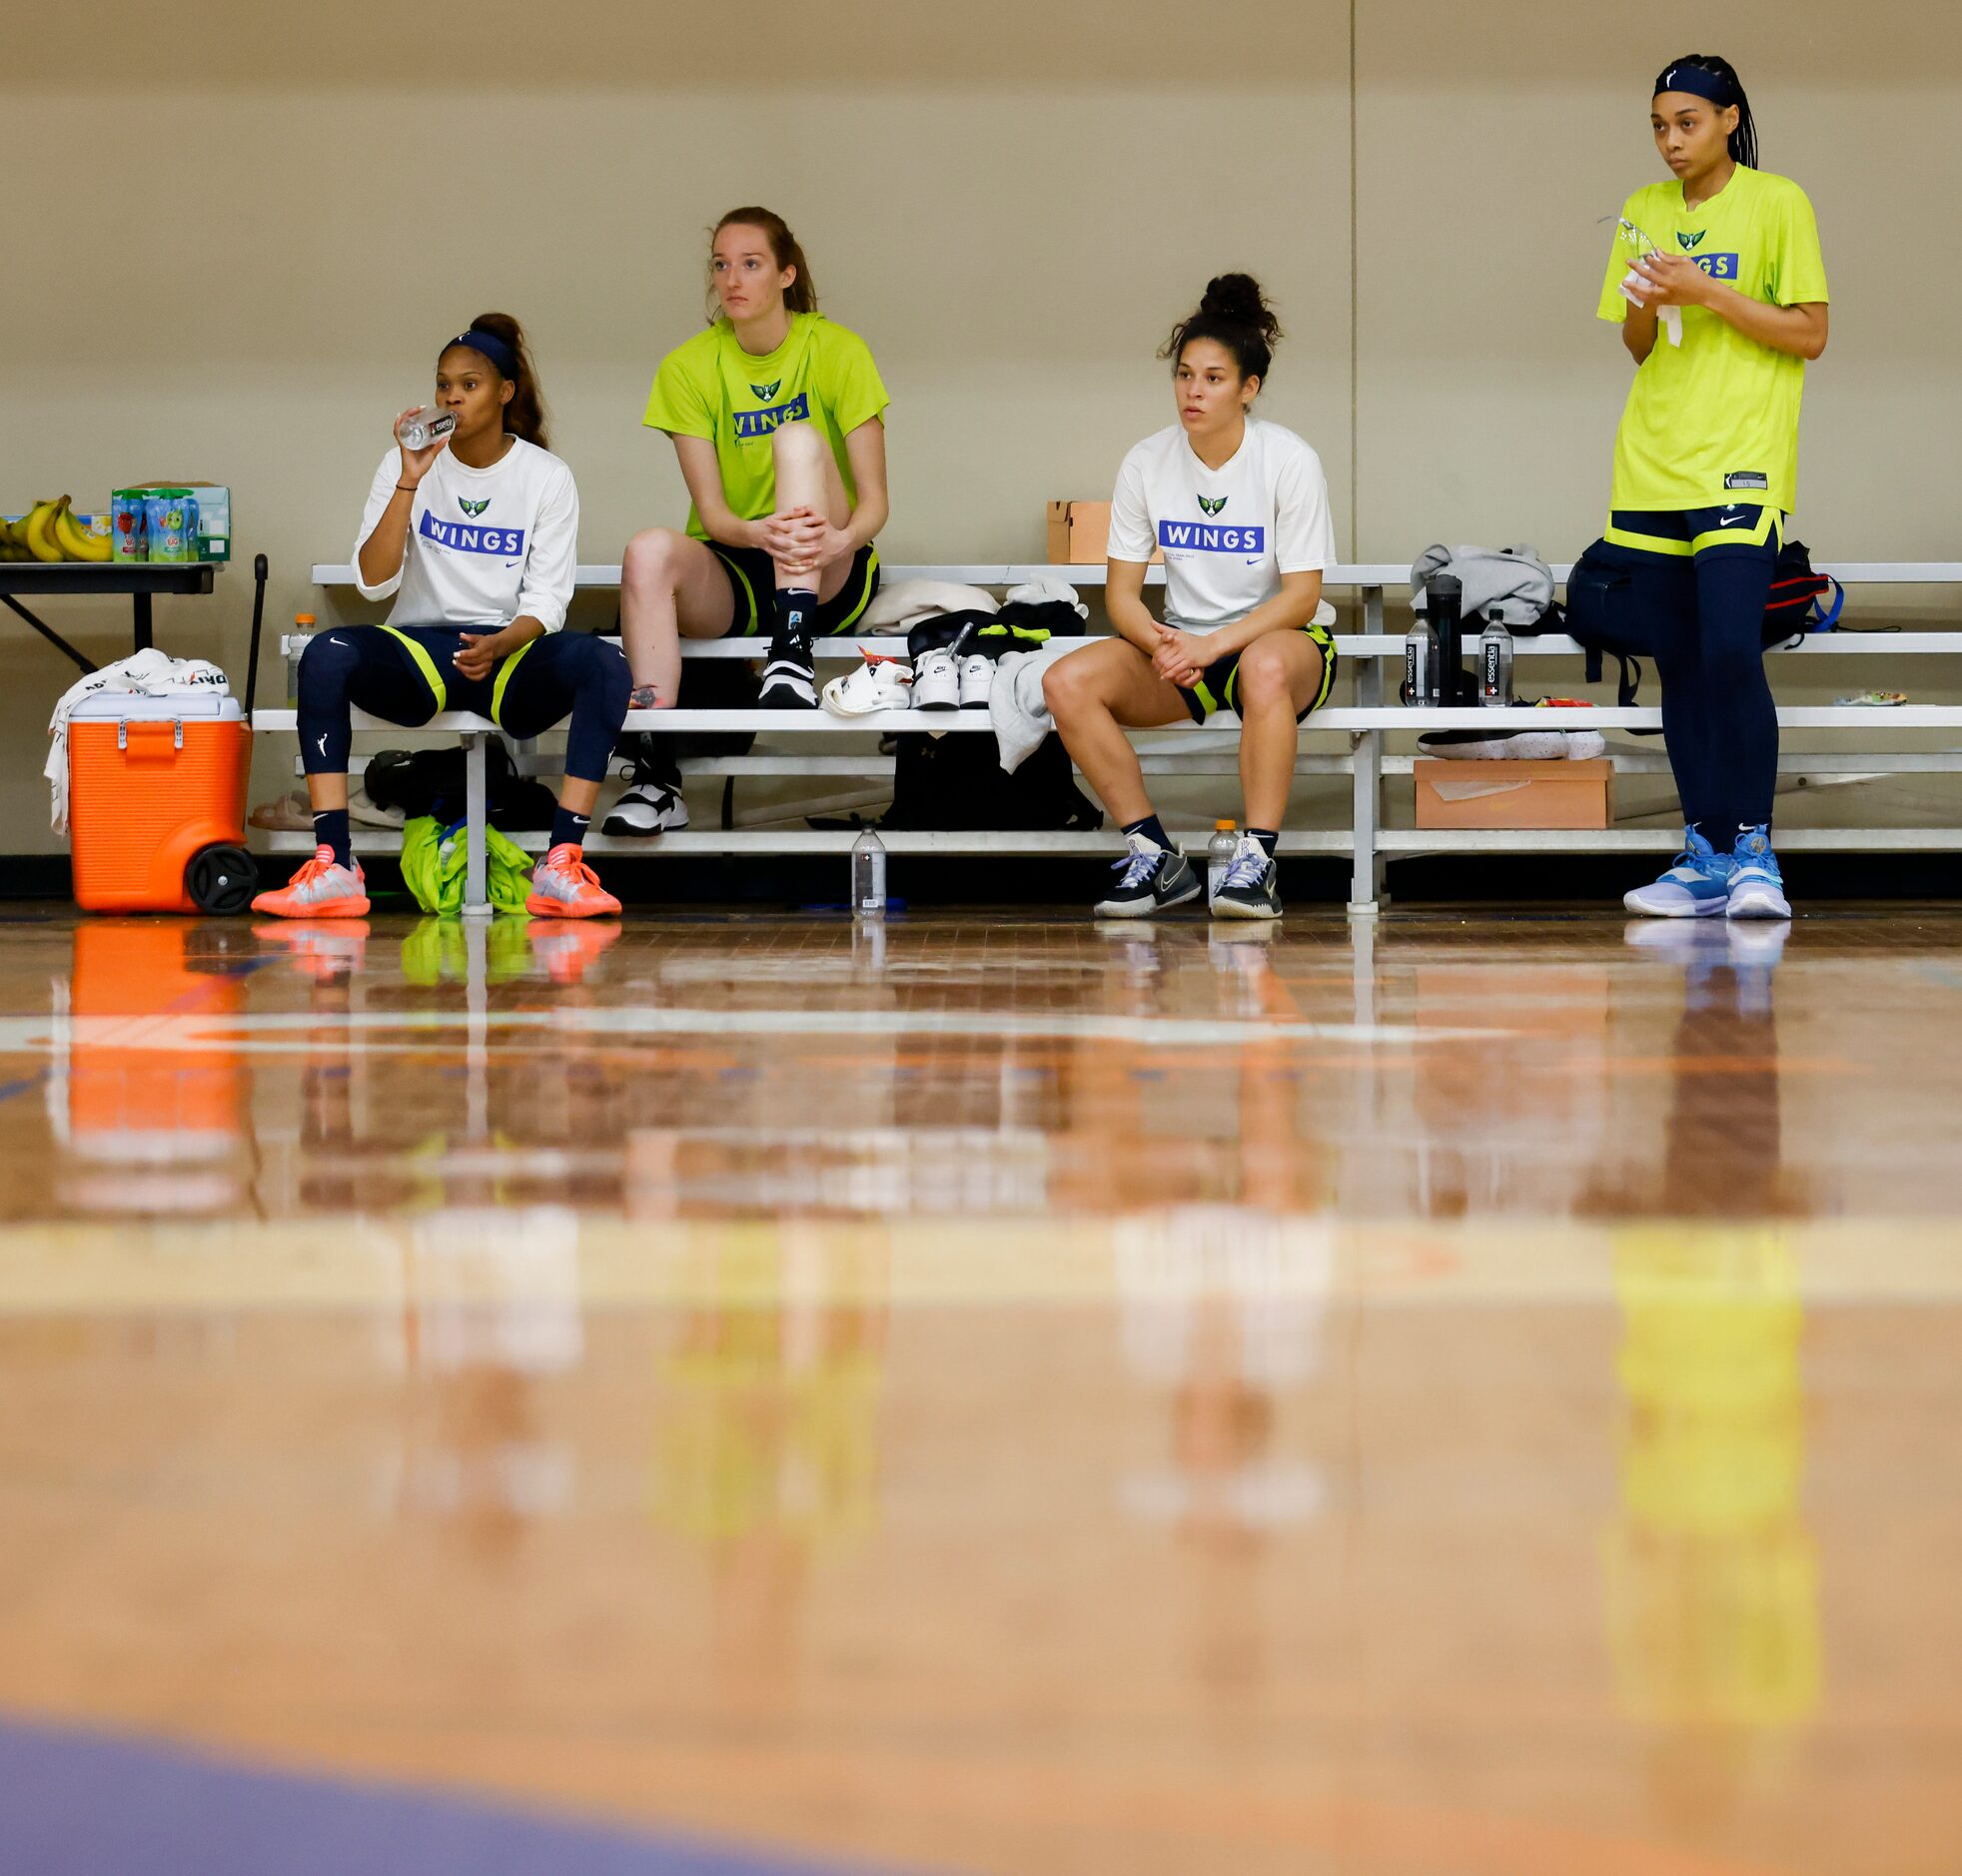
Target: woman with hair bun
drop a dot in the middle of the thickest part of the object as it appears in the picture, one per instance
(1240, 509)
(475, 537)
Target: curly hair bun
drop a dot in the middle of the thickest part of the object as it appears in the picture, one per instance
(1239, 299)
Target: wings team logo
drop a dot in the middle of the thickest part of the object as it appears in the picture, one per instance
(1214, 504)
(1691, 240)
(472, 509)
(764, 392)
(461, 539)
(1205, 537)
(750, 424)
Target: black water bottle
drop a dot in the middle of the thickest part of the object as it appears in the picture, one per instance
(1443, 606)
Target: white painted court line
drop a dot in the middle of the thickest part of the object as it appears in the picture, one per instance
(287, 1031)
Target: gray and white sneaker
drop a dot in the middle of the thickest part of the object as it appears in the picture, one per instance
(647, 808)
(977, 679)
(937, 681)
(1153, 880)
(1251, 887)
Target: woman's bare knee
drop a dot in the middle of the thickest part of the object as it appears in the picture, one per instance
(654, 555)
(1069, 693)
(797, 446)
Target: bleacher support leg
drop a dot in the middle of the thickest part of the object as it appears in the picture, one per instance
(1366, 889)
(476, 869)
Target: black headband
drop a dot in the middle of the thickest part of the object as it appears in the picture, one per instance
(1694, 79)
(493, 348)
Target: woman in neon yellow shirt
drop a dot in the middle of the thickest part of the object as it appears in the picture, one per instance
(776, 417)
(1707, 464)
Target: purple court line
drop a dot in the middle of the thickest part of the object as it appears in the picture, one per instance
(75, 1803)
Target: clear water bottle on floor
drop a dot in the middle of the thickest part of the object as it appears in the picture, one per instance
(1496, 664)
(1421, 683)
(868, 875)
(1218, 857)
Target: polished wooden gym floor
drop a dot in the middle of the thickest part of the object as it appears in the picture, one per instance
(1470, 1395)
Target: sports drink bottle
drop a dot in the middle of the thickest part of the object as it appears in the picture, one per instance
(1218, 857)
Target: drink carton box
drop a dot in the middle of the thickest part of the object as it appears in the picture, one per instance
(213, 540)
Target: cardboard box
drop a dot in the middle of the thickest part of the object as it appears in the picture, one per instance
(1514, 794)
(1080, 534)
(213, 502)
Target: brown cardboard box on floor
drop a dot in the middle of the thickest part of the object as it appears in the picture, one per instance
(1080, 534)
(1514, 794)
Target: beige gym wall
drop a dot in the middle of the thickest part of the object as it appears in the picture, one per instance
(248, 239)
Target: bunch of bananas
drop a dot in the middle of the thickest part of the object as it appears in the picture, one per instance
(51, 532)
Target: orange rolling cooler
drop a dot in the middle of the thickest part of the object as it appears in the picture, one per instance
(156, 797)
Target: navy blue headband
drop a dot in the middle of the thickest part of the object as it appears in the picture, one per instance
(1719, 90)
(493, 348)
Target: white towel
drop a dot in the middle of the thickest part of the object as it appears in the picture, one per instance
(900, 606)
(150, 673)
(1043, 591)
(1017, 708)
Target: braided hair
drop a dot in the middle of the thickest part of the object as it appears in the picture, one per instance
(1744, 140)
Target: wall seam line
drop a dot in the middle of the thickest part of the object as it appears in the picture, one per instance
(1354, 316)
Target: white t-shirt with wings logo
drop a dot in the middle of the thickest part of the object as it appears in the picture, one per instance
(1228, 535)
(484, 546)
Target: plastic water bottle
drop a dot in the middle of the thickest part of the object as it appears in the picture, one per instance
(421, 428)
(1422, 684)
(295, 650)
(1218, 857)
(868, 875)
(1496, 664)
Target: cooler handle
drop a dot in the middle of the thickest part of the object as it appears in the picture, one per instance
(122, 731)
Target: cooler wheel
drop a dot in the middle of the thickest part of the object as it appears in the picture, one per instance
(220, 880)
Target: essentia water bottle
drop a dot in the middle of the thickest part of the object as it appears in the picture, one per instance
(1219, 858)
(421, 428)
(1421, 683)
(868, 875)
(1496, 664)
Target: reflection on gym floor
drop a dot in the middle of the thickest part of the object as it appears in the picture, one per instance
(1001, 1394)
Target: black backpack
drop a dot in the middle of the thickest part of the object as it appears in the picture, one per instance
(1614, 593)
(957, 783)
(432, 782)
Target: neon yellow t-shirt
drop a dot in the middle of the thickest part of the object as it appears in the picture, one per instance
(711, 388)
(1715, 420)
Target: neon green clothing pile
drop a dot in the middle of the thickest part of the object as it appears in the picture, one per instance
(432, 859)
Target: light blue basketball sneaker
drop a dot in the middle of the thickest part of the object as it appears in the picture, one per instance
(1697, 885)
(1758, 888)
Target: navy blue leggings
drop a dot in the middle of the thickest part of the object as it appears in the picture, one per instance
(1703, 585)
(375, 668)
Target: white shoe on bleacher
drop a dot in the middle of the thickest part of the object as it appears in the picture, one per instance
(880, 683)
(977, 679)
(937, 681)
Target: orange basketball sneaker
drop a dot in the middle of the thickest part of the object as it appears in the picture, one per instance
(563, 886)
(321, 890)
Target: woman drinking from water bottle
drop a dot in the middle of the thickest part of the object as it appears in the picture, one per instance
(1717, 284)
(475, 535)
